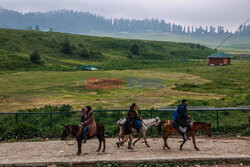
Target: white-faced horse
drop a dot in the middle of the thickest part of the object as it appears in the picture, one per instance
(146, 124)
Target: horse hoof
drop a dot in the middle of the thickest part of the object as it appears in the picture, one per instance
(197, 149)
(97, 150)
(78, 153)
(103, 151)
(163, 147)
(148, 145)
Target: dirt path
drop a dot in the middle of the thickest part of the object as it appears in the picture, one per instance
(57, 151)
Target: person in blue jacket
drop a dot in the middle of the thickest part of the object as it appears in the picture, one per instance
(182, 119)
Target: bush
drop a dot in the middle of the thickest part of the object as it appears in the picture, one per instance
(172, 53)
(85, 52)
(35, 57)
(21, 131)
(65, 108)
(134, 49)
(198, 46)
(107, 164)
(129, 56)
(191, 45)
(66, 47)
(246, 132)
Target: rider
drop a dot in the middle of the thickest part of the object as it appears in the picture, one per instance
(182, 120)
(88, 122)
(133, 120)
(136, 120)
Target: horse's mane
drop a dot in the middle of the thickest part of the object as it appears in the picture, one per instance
(73, 126)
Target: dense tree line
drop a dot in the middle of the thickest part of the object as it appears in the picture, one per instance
(84, 22)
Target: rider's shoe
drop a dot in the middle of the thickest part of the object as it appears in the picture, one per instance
(129, 145)
(84, 140)
(187, 137)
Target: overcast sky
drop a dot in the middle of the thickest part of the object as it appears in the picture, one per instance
(229, 13)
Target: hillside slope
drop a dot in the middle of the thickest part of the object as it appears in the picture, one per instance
(17, 45)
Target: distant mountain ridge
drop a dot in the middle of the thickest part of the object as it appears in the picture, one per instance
(70, 21)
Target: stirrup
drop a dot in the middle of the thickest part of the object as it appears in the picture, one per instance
(183, 130)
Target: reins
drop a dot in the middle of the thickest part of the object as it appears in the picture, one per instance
(66, 141)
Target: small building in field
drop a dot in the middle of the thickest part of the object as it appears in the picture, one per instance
(219, 58)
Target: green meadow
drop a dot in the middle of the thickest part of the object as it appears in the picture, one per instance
(182, 68)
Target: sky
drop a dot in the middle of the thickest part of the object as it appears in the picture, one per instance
(228, 13)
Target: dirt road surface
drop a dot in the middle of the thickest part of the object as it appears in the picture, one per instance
(49, 152)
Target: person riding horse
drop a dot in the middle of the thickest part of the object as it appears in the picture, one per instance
(133, 120)
(182, 120)
(88, 123)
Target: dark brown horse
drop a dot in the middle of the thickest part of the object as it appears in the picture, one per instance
(196, 126)
(75, 131)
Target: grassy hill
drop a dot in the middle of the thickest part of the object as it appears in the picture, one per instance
(108, 53)
(234, 43)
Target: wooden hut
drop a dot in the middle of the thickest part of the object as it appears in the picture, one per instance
(219, 58)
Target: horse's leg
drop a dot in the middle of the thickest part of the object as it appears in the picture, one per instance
(100, 143)
(79, 142)
(136, 141)
(104, 144)
(120, 134)
(193, 138)
(145, 139)
(165, 138)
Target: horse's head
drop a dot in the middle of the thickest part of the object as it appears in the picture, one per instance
(66, 132)
(157, 121)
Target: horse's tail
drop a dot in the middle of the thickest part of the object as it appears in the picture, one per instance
(159, 127)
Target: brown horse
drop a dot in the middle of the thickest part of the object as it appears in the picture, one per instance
(77, 132)
(196, 126)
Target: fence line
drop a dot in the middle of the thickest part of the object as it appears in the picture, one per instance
(171, 108)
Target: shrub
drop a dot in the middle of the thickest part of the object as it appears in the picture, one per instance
(129, 56)
(191, 45)
(66, 47)
(172, 53)
(198, 46)
(65, 108)
(134, 48)
(107, 164)
(35, 57)
(246, 132)
(21, 131)
(80, 45)
(85, 52)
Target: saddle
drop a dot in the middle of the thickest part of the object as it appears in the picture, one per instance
(174, 124)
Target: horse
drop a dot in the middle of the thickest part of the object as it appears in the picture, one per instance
(77, 132)
(146, 124)
(196, 126)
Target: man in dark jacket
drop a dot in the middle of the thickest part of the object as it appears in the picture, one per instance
(182, 120)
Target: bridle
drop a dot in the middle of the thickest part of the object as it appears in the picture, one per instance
(66, 141)
(156, 120)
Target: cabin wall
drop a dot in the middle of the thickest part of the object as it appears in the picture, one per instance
(218, 61)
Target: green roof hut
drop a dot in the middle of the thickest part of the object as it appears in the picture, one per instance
(219, 58)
